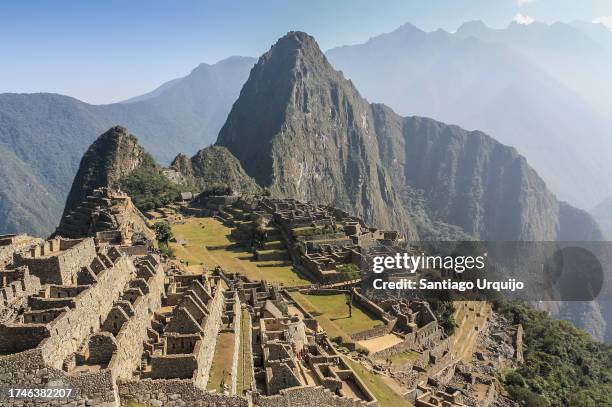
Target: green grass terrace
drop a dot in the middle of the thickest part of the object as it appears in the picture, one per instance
(332, 313)
(206, 241)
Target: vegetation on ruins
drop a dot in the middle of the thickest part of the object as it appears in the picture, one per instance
(163, 233)
(310, 231)
(148, 187)
(442, 306)
(444, 312)
(220, 373)
(332, 312)
(348, 271)
(214, 170)
(245, 361)
(217, 190)
(259, 235)
(385, 395)
(563, 365)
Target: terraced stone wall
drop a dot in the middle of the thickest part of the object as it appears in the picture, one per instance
(205, 348)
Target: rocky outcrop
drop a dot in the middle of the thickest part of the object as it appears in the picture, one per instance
(214, 167)
(468, 179)
(112, 156)
(302, 130)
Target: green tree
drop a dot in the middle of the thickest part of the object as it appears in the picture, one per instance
(163, 232)
(445, 312)
(149, 188)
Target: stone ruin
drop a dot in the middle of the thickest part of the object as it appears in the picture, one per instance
(437, 398)
(12, 243)
(114, 324)
(66, 330)
(110, 217)
(325, 243)
(416, 321)
(292, 355)
(94, 310)
(183, 334)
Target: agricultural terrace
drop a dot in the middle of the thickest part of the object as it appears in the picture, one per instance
(206, 241)
(332, 312)
(385, 395)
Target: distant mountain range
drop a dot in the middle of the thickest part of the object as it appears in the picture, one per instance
(540, 88)
(543, 89)
(43, 136)
(597, 32)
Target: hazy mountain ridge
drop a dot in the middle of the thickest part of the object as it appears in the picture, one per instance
(473, 79)
(25, 203)
(48, 134)
(597, 32)
(602, 213)
(567, 52)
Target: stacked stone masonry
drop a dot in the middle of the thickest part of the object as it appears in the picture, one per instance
(98, 310)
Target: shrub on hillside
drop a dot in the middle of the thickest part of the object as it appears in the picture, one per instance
(149, 188)
(563, 365)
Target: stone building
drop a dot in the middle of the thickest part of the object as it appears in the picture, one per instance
(436, 398)
(97, 311)
(82, 325)
(182, 339)
(291, 353)
(12, 243)
(326, 243)
(16, 284)
(109, 216)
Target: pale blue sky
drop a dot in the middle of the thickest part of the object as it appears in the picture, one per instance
(102, 51)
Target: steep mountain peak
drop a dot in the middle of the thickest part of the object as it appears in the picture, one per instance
(282, 84)
(408, 27)
(405, 32)
(301, 129)
(294, 50)
(115, 135)
(296, 40)
(112, 156)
